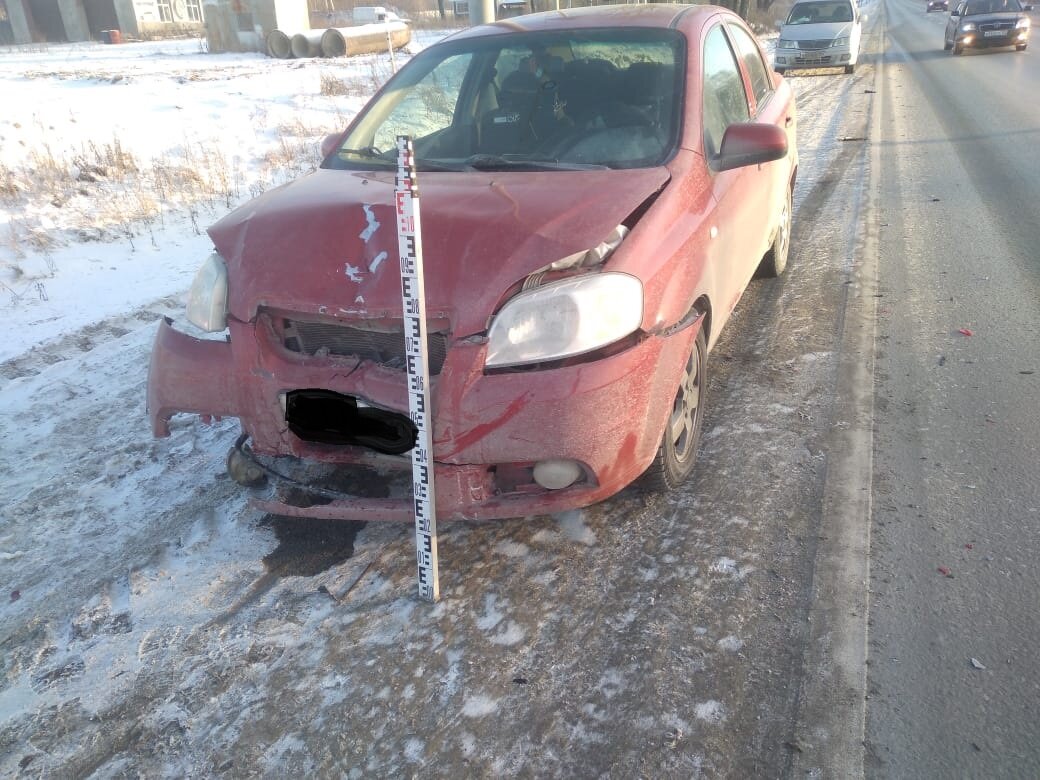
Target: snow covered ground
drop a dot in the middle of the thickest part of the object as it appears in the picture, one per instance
(153, 625)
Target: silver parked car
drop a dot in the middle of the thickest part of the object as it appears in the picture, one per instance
(820, 34)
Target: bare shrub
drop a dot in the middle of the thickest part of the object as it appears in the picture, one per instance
(354, 84)
(101, 191)
(9, 186)
(330, 85)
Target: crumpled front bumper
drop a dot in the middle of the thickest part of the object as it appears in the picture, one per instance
(607, 414)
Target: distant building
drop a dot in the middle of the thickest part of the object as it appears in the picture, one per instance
(34, 21)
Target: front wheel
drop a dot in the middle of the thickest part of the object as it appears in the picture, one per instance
(678, 450)
(958, 49)
(1020, 47)
(850, 68)
(947, 45)
(781, 71)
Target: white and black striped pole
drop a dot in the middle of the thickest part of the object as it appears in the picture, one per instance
(413, 295)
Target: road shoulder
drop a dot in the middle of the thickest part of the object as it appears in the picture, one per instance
(831, 714)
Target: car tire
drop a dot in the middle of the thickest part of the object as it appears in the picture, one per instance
(774, 261)
(958, 49)
(677, 452)
(1021, 47)
(947, 45)
(781, 71)
(850, 68)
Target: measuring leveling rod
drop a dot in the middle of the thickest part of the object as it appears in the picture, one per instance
(413, 295)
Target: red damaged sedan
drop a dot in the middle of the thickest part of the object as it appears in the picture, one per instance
(598, 186)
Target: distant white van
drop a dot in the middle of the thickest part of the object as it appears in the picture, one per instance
(374, 14)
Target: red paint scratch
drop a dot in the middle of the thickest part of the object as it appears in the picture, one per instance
(478, 432)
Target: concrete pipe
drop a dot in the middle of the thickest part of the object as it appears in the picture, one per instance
(306, 44)
(279, 45)
(366, 39)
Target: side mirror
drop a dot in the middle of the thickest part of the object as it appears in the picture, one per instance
(750, 143)
(955, 12)
(329, 144)
(779, 24)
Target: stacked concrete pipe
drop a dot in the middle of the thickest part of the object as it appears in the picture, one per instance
(279, 45)
(366, 39)
(306, 44)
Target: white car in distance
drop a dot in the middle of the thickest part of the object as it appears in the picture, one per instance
(819, 34)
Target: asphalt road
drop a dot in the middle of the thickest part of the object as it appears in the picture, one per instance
(954, 683)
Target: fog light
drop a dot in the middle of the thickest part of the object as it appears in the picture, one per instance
(968, 39)
(781, 60)
(845, 57)
(556, 474)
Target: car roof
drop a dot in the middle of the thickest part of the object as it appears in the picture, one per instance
(658, 15)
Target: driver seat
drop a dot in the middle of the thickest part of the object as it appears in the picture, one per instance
(507, 129)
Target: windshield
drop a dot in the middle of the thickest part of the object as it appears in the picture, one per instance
(533, 101)
(815, 13)
(991, 7)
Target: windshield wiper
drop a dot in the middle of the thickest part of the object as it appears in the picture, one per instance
(423, 164)
(372, 153)
(494, 162)
(368, 152)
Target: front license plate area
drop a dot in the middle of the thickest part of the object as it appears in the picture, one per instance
(326, 417)
(994, 33)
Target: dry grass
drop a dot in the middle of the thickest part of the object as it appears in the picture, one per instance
(102, 191)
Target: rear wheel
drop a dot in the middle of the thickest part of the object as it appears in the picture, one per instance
(775, 260)
(678, 450)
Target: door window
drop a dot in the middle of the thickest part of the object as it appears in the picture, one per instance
(725, 101)
(761, 84)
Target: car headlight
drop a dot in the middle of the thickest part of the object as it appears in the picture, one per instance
(207, 300)
(786, 44)
(839, 42)
(1021, 23)
(565, 318)
(968, 27)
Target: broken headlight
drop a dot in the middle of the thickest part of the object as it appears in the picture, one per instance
(207, 300)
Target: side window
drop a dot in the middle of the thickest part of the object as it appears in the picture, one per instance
(725, 101)
(429, 107)
(761, 84)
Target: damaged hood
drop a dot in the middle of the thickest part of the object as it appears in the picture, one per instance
(327, 242)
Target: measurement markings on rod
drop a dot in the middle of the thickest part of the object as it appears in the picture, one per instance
(413, 296)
